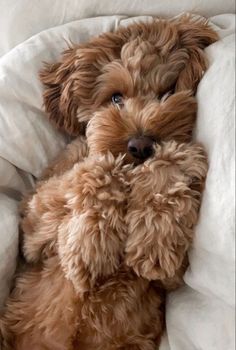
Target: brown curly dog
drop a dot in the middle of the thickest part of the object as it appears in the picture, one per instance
(106, 231)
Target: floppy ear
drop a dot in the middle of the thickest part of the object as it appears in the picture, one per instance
(58, 95)
(181, 46)
(68, 85)
(195, 35)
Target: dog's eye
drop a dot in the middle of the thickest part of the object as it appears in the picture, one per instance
(117, 99)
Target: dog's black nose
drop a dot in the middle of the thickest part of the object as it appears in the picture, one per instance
(141, 147)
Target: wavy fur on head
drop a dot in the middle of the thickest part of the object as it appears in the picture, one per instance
(143, 60)
(103, 239)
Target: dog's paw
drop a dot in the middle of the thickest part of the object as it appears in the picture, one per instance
(156, 243)
(91, 238)
(163, 209)
(188, 158)
(98, 181)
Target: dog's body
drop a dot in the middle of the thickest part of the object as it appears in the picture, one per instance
(103, 239)
(96, 289)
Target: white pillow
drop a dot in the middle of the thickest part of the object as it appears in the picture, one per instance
(21, 19)
(200, 316)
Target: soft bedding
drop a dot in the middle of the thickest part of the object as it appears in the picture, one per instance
(200, 315)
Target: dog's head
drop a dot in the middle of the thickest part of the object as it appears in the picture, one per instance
(130, 88)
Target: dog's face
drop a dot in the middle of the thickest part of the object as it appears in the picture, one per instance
(131, 113)
(130, 88)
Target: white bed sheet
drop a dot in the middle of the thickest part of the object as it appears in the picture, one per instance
(200, 316)
(21, 19)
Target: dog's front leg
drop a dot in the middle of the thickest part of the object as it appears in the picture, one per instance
(91, 236)
(42, 211)
(42, 214)
(163, 209)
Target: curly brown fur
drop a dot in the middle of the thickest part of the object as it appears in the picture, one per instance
(90, 285)
(143, 59)
(103, 239)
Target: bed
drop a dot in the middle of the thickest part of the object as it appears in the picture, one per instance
(200, 315)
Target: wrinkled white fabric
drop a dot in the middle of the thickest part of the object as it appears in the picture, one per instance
(21, 19)
(200, 316)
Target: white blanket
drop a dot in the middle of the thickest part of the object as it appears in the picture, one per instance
(200, 316)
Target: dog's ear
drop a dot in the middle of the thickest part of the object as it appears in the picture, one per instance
(58, 95)
(194, 35)
(70, 83)
(68, 86)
